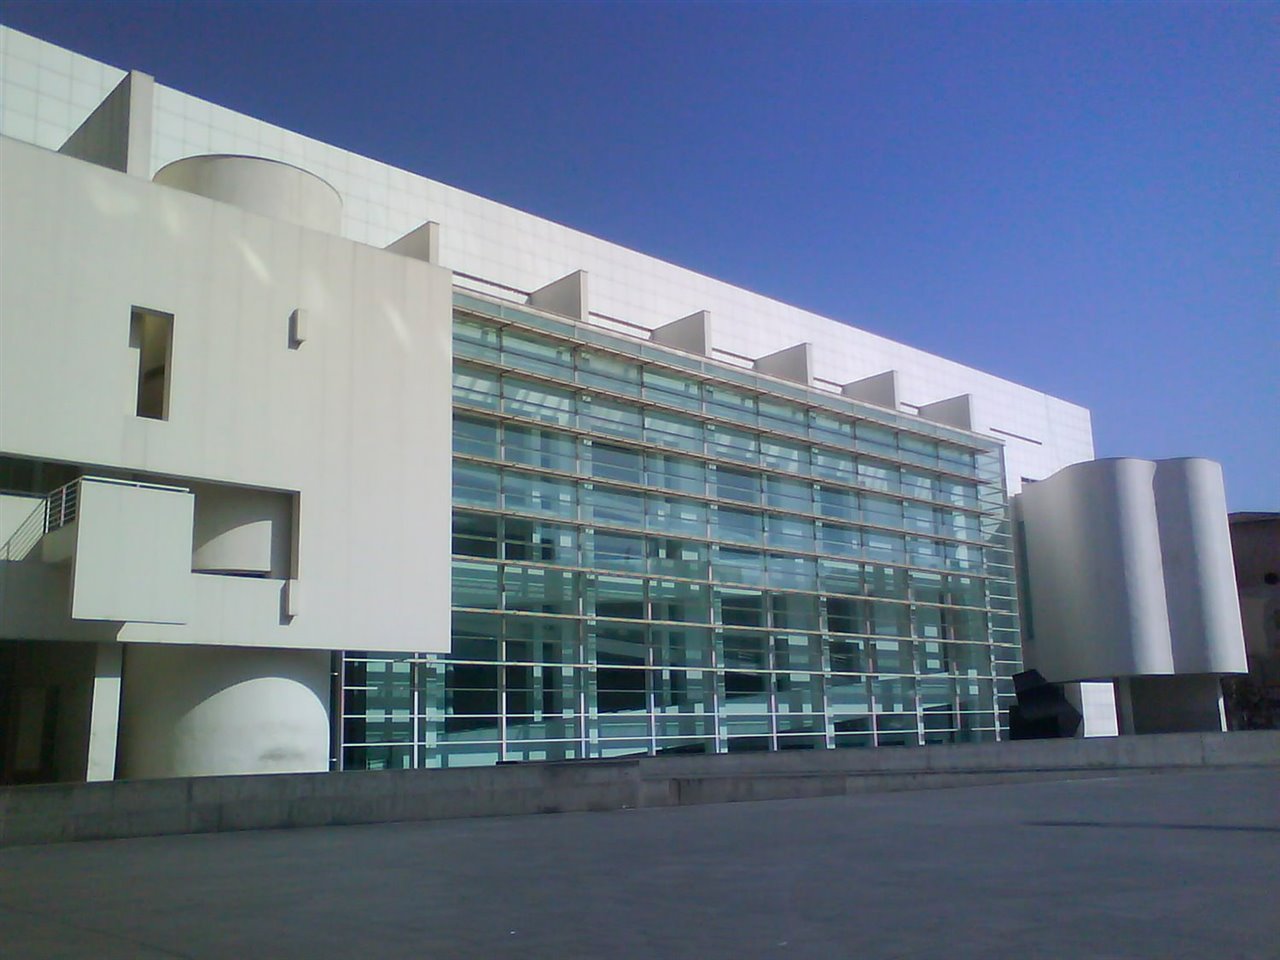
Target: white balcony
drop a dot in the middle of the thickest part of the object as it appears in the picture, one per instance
(129, 546)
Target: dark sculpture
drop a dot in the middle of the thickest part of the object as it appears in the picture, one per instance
(1042, 711)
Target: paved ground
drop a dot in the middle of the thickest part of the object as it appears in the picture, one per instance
(1178, 865)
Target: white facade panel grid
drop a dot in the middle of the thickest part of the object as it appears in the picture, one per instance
(487, 239)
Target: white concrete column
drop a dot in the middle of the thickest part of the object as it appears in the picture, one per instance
(104, 713)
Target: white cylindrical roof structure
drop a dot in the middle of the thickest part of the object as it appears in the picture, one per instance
(267, 187)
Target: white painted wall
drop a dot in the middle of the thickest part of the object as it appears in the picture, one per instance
(1199, 574)
(242, 530)
(1097, 705)
(356, 420)
(204, 711)
(132, 554)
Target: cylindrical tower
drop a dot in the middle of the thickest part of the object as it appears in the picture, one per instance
(268, 187)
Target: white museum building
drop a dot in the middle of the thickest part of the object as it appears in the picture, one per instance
(310, 463)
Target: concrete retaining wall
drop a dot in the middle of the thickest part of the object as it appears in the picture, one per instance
(90, 811)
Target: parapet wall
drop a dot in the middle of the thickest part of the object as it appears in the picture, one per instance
(94, 811)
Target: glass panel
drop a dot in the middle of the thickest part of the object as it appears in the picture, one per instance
(840, 576)
(677, 558)
(672, 389)
(475, 484)
(737, 566)
(924, 553)
(621, 597)
(795, 572)
(893, 656)
(928, 622)
(848, 656)
(535, 590)
(614, 463)
(919, 517)
(730, 404)
(841, 541)
(922, 485)
(789, 533)
(613, 551)
(882, 511)
(608, 416)
(475, 388)
(740, 608)
(537, 402)
(475, 436)
(676, 473)
(534, 354)
(889, 619)
(784, 456)
(540, 541)
(679, 601)
(885, 547)
(676, 515)
(610, 505)
(540, 448)
(830, 428)
(837, 466)
(837, 504)
(547, 641)
(874, 438)
(475, 338)
(742, 526)
(539, 494)
(475, 535)
(608, 372)
(673, 430)
(684, 647)
(794, 611)
(875, 476)
(780, 415)
(784, 494)
(738, 485)
(732, 444)
(846, 615)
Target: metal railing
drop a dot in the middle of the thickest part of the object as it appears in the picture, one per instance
(61, 506)
(27, 537)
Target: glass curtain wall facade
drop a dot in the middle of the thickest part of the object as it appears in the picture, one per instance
(655, 552)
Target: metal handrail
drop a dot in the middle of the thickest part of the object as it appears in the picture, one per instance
(26, 537)
(61, 506)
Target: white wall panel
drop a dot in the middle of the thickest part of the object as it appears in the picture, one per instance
(1129, 571)
(356, 420)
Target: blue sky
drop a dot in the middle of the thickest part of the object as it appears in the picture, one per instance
(1080, 197)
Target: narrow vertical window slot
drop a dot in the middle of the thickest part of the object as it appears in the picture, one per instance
(151, 335)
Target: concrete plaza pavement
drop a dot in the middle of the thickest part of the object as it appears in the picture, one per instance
(1139, 866)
